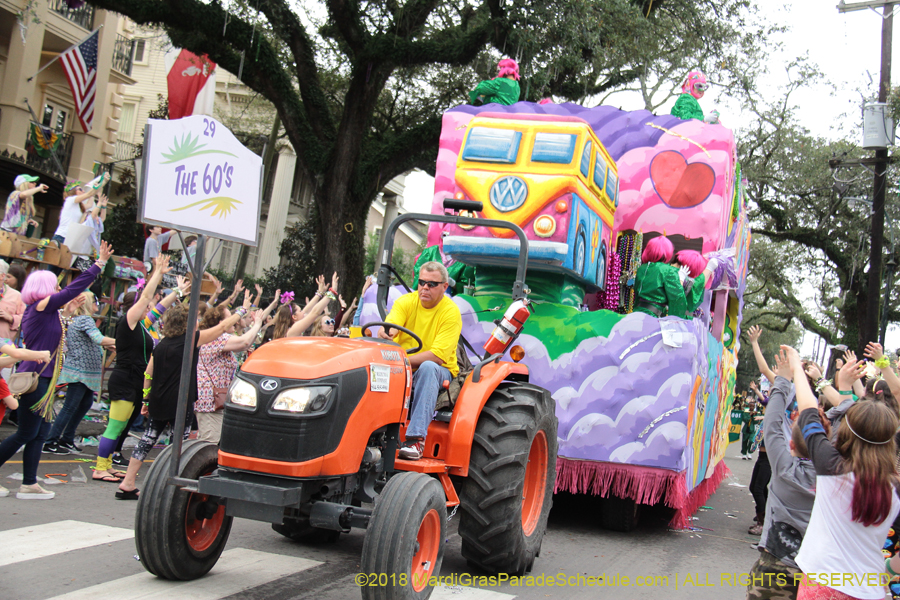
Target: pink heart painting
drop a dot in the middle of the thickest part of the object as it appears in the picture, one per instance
(679, 184)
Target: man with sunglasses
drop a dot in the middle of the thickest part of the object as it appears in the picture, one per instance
(436, 319)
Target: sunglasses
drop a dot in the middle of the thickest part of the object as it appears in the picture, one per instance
(329, 321)
(701, 87)
(430, 284)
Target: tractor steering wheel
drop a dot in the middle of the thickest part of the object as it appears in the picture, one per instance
(408, 332)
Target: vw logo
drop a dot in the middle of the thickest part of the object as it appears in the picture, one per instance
(268, 384)
(509, 193)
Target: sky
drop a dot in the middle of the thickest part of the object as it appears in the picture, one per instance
(846, 47)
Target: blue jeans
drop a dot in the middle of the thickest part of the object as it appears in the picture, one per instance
(426, 383)
(31, 433)
(79, 399)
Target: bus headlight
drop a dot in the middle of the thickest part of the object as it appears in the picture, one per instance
(471, 215)
(242, 393)
(302, 399)
(544, 226)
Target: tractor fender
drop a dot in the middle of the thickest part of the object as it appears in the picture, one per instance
(472, 398)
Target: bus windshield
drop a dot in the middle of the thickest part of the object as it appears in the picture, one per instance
(486, 144)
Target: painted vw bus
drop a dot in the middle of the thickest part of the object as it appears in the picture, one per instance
(548, 174)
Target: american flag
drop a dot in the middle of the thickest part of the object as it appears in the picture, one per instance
(80, 64)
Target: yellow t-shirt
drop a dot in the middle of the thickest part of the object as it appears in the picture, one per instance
(439, 327)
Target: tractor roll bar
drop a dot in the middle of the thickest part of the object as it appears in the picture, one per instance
(384, 278)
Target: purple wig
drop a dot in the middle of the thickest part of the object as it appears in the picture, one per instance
(508, 66)
(38, 286)
(659, 249)
(693, 260)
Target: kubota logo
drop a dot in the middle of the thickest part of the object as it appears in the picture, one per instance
(268, 384)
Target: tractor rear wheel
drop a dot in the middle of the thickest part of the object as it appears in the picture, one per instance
(180, 535)
(404, 545)
(512, 470)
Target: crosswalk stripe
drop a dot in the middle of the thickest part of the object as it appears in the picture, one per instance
(237, 570)
(458, 592)
(39, 541)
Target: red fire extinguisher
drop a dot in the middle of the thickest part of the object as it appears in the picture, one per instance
(508, 327)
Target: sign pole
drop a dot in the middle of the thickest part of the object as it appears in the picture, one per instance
(188, 361)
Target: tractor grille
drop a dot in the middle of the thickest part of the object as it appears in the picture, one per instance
(292, 438)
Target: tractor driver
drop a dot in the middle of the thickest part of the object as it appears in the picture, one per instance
(435, 318)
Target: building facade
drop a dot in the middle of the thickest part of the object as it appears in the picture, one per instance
(32, 34)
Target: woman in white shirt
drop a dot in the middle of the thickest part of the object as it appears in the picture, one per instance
(856, 497)
(74, 206)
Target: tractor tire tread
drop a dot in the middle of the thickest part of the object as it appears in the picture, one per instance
(491, 498)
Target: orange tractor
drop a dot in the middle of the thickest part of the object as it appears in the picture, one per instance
(309, 442)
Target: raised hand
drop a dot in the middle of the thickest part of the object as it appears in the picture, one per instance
(753, 333)
(792, 356)
(873, 350)
(334, 281)
(783, 366)
(850, 372)
(238, 287)
(73, 305)
(343, 304)
(849, 356)
(812, 369)
(161, 265)
(320, 282)
(183, 283)
(248, 300)
(106, 250)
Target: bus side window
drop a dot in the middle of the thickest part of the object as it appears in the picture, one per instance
(612, 187)
(586, 159)
(600, 171)
(553, 147)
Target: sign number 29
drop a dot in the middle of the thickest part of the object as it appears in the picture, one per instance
(210, 128)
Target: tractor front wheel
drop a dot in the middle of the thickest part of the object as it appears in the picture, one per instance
(512, 470)
(180, 535)
(404, 546)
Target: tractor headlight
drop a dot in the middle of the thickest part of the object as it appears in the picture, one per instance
(242, 393)
(302, 399)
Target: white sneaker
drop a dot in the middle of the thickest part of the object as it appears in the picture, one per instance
(413, 452)
(34, 492)
(3, 492)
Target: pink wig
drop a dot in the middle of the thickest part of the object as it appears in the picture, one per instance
(659, 249)
(547, 101)
(693, 260)
(508, 66)
(38, 286)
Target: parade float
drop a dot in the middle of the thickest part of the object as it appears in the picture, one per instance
(643, 402)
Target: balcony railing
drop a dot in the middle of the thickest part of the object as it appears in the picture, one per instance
(83, 16)
(43, 159)
(123, 55)
(126, 150)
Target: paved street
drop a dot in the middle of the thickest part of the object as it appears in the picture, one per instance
(80, 545)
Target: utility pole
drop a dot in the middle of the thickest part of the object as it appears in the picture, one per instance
(879, 186)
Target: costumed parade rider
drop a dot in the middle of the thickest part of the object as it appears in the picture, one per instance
(436, 319)
(663, 289)
(687, 105)
(503, 89)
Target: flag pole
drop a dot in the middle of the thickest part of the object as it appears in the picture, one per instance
(63, 52)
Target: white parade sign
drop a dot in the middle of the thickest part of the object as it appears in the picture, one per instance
(196, 176)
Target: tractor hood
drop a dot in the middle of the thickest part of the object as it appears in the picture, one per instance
(316, 357)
